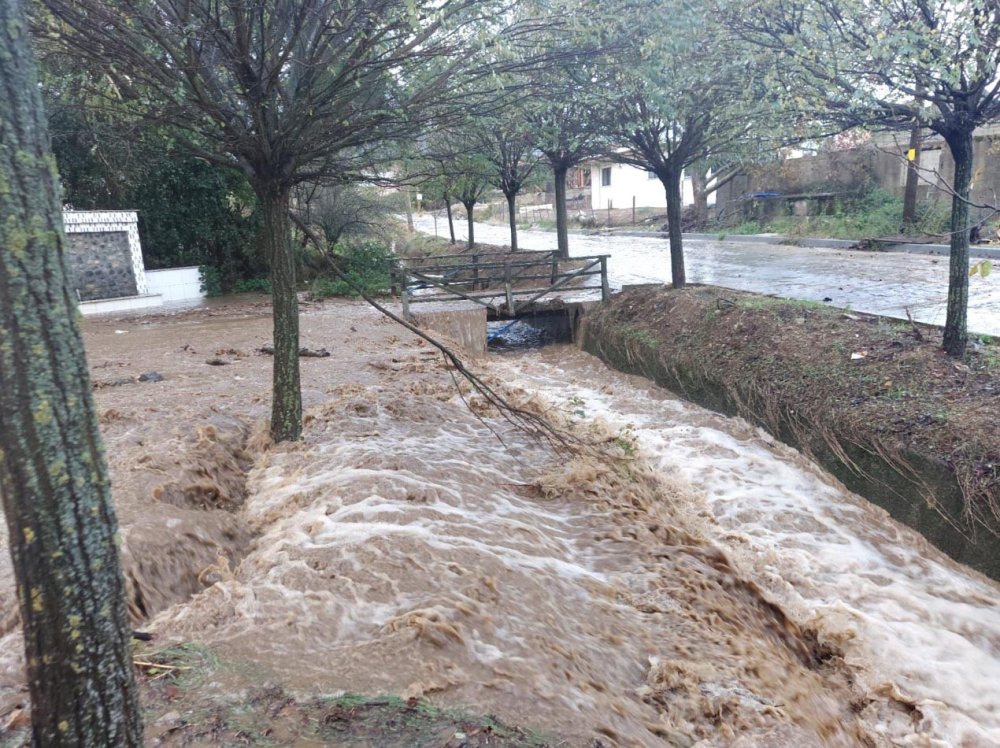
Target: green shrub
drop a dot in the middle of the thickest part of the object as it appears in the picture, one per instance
(871, 214)
(366, 266)
(211, 280)
(252, 285)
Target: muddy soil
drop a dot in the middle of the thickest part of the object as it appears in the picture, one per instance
(398, 549)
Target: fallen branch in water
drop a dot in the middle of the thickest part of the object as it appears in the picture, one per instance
(530, 423)
(268, 350)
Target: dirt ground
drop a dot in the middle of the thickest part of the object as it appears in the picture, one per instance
(476, 595)
(183, 397)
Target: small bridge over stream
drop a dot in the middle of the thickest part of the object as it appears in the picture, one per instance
(510, 285)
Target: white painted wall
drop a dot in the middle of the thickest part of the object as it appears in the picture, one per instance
(627, 182)
(175, 284)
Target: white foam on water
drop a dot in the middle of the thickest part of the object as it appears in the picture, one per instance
(433, 560)
(913, 624)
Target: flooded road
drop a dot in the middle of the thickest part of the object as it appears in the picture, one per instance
(685, 580)
(873, 282)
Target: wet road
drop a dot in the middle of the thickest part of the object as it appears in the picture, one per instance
(877, 283)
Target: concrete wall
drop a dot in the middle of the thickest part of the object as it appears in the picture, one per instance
(175, 284)
(465, 325)
(880, 164)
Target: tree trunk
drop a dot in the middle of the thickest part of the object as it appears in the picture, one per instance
(672, 182)
(470, 208)
(562, 228)
(53, 479)
(955, 326)
(512, 212)
(451, 223)
(409, 210)
(698, 182)
(912, 179)
(276, 244)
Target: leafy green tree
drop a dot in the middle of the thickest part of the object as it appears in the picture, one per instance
(289, 92)
(568, 100)
(688, 96)
(892, 64)
(441, 186)
(565, 131)
(190, 212)
(471, 177)
(53, 478)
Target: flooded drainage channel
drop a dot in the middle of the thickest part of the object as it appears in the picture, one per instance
(711, 586)
(920, 633)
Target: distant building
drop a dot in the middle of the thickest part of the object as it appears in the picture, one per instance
(619, 184)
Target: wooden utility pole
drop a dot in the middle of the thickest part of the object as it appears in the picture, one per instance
(912, 178)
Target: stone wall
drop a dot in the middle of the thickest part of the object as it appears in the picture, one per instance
(858, 169)
(100, 265)
(103, 254)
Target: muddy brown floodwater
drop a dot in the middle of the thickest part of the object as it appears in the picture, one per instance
(677, 586)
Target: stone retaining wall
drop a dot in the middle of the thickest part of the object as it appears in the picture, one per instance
(103, 254)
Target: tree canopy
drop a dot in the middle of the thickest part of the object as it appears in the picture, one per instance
(289, 92)
(892, 64)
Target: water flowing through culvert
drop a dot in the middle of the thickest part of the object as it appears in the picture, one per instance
(507, 335)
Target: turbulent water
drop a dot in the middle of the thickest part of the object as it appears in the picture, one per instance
(920, 633)
(686, 581)
(401, 549)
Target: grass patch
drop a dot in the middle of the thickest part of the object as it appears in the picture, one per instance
(873, 214)
(270, 716)
(355, 719)
(772, 303)
(640, 336)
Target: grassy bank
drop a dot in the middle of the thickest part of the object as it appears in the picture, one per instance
(870, 215)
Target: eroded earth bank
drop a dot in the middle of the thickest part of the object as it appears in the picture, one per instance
(674, 577)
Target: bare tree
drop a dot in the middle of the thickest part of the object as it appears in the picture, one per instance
(506, 145)
(290, 92)
(53, 479)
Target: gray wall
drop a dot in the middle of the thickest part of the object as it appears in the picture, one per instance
(100, 265)
(851, 171)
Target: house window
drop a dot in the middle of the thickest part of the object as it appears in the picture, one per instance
(606, 176)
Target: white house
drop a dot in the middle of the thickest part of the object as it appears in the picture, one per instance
(620, 184)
